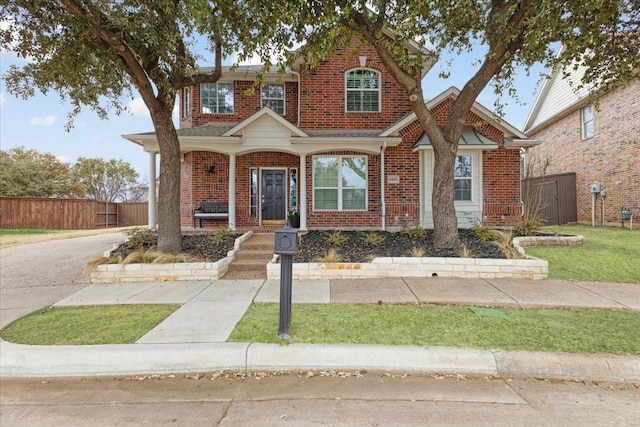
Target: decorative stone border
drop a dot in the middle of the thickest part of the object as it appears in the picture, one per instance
(116, 273)
(530, 268)
(520, 242)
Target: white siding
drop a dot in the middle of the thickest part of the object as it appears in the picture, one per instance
(557, 97)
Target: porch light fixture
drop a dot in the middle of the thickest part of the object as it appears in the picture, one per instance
(211, 169)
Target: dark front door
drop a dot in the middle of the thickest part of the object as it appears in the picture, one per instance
(273, 195)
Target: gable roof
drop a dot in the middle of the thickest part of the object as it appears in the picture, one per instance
(264, 111)
(513, 137)
(559, 96)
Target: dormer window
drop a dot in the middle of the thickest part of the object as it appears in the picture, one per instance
(273, 97)
(362, 90)
(217, 98)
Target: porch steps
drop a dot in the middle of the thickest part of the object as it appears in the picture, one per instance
(251, 260)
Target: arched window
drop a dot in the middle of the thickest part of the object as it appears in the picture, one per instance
(362, 90)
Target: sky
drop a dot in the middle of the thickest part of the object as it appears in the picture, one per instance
(39, 122)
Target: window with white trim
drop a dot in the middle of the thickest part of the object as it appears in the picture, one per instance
(587, 121)
(186, 102)
(340, 183)
(273, 97)
(216, 98)
(463, 181)
(362, 90)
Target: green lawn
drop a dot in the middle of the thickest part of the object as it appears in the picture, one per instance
(607, 255)
(28, 231)
(566, 330)
(104, 324)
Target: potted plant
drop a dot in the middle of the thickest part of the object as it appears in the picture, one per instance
(294, 219)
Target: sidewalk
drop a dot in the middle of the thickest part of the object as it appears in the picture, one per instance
(193, 339)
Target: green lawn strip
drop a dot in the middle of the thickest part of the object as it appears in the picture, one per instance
(104, 324)
(607, 255)
(566, 330)
(28, 231)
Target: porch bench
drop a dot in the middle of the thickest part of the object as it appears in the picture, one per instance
(210, 210)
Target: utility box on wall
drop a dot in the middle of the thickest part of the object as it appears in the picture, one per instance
(595, 187)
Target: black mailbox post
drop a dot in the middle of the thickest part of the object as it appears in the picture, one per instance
(285, 245)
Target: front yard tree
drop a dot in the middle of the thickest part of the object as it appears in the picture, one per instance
(30, 173)
(94, 53)
(601, 34)
(109, 181)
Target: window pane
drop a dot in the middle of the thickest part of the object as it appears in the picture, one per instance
(462, 189)
(217, 98)
(354, 172)
(462, 167)
(353, 199)
(363, 90)
(326, 199)
(325, 172)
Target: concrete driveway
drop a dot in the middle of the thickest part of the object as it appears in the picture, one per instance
(35, 275)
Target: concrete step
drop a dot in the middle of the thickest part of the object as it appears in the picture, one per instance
(254, 255)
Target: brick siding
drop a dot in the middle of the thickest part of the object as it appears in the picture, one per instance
(611, 156)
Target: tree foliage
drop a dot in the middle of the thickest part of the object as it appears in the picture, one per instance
(96, 53)
(111, 181)
(602, 35)
(29, 173)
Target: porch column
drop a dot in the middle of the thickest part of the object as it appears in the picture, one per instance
(302, 178)
(152, 191)
(232, 191)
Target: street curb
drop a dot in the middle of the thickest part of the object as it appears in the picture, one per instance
(132, 359)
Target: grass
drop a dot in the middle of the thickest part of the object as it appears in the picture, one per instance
(565, 330)
(107, 324)
(28, 231)
(607, 255)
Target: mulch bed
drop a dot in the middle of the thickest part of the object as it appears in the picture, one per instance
(315, 244)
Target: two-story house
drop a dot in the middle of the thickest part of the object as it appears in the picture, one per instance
(597, 139)
(338, 143)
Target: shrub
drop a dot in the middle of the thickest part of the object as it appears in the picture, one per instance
(101, 260)
(417, 252)
(465, 252)
(220, 236)
(483, 233)
(331, 256)
(413, 233)
(141, 257)
(337, 238)
(504, 242)
(374, 239)
(528, 227)
(140, 238)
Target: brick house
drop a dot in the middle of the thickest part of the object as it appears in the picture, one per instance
(339, 144)
(597, 140)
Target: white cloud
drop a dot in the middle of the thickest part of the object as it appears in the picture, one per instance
(138, 108)
(42, 121)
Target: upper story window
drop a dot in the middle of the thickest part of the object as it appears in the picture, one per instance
(587, 121)
(186, 102)
(363, 90)
(462, 178)
(217, 98)
(273, 97)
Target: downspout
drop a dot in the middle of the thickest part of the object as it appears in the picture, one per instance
(523, 174)
(383, 207)
(297, 74)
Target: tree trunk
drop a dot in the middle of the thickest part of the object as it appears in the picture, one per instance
(445, 222)
(169, 228)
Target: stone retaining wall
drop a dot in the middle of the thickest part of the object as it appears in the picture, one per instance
(116, 273)
(531, 268)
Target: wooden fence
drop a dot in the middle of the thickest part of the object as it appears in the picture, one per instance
(557, 195)
(70, 214)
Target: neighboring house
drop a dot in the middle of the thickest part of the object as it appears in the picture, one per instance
(597, 140)
(339, 144)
